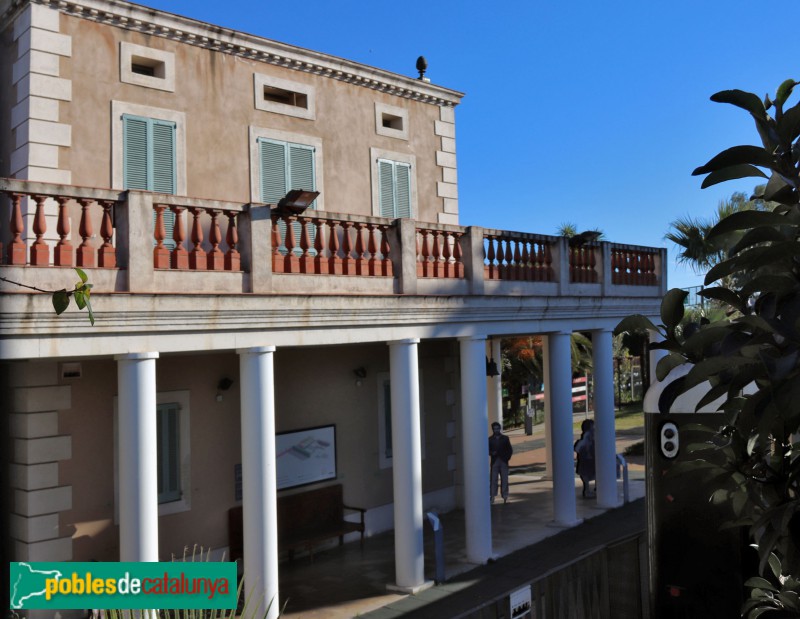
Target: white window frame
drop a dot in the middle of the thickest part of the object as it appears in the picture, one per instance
(385, 462)
(285, 136)
(391, 132)
(379, 153)
(184, 504)
(308, 113)
(118, 108)
(166, 59)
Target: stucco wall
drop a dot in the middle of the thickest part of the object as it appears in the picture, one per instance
(216, 92)
(314, 386)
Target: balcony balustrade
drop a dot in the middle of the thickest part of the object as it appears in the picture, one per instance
(158, 243)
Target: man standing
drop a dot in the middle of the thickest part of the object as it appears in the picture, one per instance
(500, 451)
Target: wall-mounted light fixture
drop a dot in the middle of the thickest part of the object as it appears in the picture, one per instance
(491, 368)
(296, 201)
(361, 374)
(223, 385)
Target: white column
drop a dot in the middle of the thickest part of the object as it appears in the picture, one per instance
(259, 485)
(494, 384)
(548, 421)
(604, 432)
(475, 450)
(138, 467)
(409, 556)
(564, 506)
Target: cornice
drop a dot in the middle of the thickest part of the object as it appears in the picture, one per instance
(154, 22)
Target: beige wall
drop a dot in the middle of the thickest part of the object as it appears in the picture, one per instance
(215, 91)
(314, 386)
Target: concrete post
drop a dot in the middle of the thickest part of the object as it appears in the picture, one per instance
(138, 466)
(564, 506)
(259, 484)
(406, 249)
(474, 449)
(561, 264)
(139, 241)
(409, 556)
(604, 432)
(255, 230)
(473, 259)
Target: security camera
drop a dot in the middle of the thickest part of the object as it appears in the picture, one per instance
(670, 443)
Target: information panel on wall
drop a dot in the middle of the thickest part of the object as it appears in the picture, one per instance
(306, 456)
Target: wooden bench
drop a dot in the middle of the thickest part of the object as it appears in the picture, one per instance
(305, 520)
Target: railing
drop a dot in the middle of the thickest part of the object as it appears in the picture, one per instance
(518, 257)
(141, 241)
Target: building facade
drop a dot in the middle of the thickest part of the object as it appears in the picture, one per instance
(151, 150)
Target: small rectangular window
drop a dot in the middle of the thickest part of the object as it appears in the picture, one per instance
(285, 97)
(168, 452)
(392, 122)
(143, 66)
(143, 69)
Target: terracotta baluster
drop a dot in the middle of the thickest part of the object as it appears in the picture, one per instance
(197, 256)
(550, 273)
(63, 252)
(16, 249)
(458, 256)
(362, 267)
(652, 278)
(519, 267)
(427, 270)
(85, 257)
(372, 248)
(436, 255)
(233, 260)
(321, 263)
(179, 257)
(40, 251)
(593, 264)
(524, 266)
(418, 240)
(305, 260)
(277, 258)
(447, 255)
(160, 253)
(614, 266)
(291, 261)
(348, 268)
(386, 261)
(335, 261)
(491, 270)
(107, 254)
(215, 259)
(501, 259)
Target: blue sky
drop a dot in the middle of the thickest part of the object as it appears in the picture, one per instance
(587, 112)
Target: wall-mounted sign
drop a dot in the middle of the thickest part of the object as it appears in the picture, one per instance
(305, 456)
(521, 603)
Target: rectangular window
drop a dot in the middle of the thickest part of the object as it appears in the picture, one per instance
(286, 166)
(385, 420)
(168, 458)
(149, 160)
(395, 188)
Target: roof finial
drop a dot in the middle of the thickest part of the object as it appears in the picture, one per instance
(422, 66)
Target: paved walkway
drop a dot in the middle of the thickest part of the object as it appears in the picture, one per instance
(349, 581)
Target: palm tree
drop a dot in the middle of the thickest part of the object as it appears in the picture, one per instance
(690, 234)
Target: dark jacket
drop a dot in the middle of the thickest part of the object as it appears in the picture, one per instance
(500, 447)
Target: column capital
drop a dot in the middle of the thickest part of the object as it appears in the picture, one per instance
(406, 342)
(136, 356)
(255, 350)
(473, 338)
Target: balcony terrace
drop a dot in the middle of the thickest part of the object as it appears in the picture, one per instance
(232, 248)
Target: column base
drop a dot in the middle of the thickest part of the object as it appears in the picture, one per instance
(565, 525)
(410, 590)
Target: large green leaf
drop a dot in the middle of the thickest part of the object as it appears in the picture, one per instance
(737, 155)
(744, 220)
(672, 307)
(755, 236)
(789, 125)
(708, 368)
(730, 173)
(60, 301)
(667, 364)
(634, 323)
(745, 100)
(779, 284)
(723, 295)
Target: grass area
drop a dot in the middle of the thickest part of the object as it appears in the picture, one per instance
(628, 417)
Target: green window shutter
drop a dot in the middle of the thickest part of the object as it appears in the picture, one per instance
(386, 181)
(394, 179)
(168, 452)
(402, 189)
(134, 152)
(273, 170)
(387, 418)
(149, 161)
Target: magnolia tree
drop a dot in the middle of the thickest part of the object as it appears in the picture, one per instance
(751, 357)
